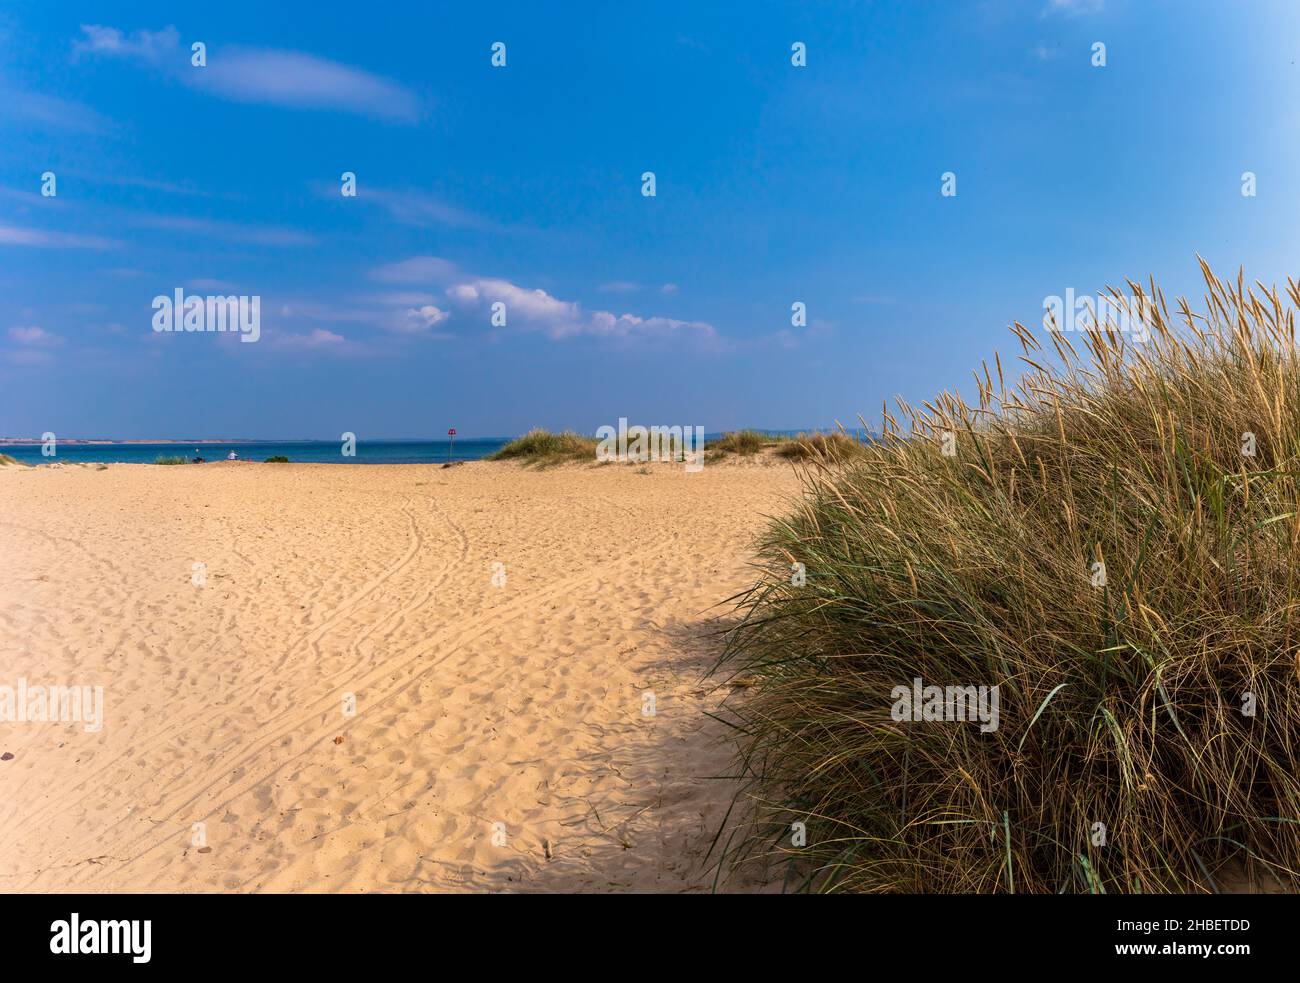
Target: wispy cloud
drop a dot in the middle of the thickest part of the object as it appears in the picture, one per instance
(332, 313)
(301, 81)
(49, 112)
(608, 325)
(413, 315)
(417, 269)
(416, 208)
(17, 235)
(318, 339)
(291, 79)
(260, 235)
(34, 346)
(34, 337)
(30, 199)
(28, 356)
(149, 184)
(402, 298)
(1074, 7)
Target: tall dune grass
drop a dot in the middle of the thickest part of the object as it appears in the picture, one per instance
(1123, 760)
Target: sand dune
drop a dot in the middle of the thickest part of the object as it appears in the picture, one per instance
(498, 740)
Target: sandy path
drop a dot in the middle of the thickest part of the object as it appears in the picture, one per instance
(476, 704)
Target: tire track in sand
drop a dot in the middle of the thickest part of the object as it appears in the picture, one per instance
(80, 791)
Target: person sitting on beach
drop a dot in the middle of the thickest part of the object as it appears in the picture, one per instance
(232, 456)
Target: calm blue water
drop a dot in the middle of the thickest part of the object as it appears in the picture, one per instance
(300, 451)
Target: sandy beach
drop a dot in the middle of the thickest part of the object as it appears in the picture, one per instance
(502, 632)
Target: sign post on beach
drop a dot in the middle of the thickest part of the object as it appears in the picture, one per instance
(452, 443)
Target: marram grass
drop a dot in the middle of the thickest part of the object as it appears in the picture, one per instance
(1123, 760)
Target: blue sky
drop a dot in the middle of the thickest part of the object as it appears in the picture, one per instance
(775, 184)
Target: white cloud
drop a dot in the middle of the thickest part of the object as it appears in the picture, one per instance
(536, 310)
(527, 309)
(420, 320)
(34, 337)
(151, 46)
(535, 307)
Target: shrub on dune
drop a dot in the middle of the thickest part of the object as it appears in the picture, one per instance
(540, 446)
(742, 442)
(164, 459)
(1112, 545)
(834, 446)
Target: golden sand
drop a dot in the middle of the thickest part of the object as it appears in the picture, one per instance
(500, 739)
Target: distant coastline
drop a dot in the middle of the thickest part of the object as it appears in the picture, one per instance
(161, 441)
(93, 450)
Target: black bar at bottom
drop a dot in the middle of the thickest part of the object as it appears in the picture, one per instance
(342, 932)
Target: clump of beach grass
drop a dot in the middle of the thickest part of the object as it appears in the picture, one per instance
(1112, 543)
(542, 447)
(277, 459)
(741, 442)
(834, 446)
(164, 459)
(7, 459)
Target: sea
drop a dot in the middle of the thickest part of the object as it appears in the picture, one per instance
(298, 451)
